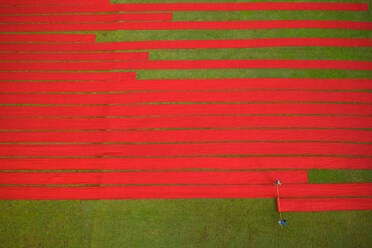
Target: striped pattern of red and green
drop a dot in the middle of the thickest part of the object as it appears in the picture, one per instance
(257, 94)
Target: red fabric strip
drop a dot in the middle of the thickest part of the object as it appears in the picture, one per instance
(184, 163)
(52, 76)
(187, 109)
(46, 38)
(186, 7)
(187, 122)
(86, 18)
(186, 96)
(194, 149)
(216, 135)
(64, 2)
(191, 84)
(152, 177)
(325, 204)
(184, 191)
(189, 64)
(187, 25)
(73, 56)
(188, 44)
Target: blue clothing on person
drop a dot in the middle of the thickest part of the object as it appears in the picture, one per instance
(283, 222)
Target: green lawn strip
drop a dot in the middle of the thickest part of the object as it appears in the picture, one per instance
(340, 176)
(176, 223)
(140, 35)
(234, 1)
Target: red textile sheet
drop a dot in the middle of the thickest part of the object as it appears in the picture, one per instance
(191, 84)
(325, 204)
(183, 163)
(186, 109)
(151, 177)
(67, 76)
(82, 2)
(184, 122)
(187, 65)
(86, 18)
(16, 57)
(184, 191)
(200, 135)
(46, 38)
(184, 149)
(186, 96)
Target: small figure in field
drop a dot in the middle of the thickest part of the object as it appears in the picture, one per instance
(277, 182)
(282, 223)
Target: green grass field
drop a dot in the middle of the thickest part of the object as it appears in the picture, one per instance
(212, 223)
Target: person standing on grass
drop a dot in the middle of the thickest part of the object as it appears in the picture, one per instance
(282, 223)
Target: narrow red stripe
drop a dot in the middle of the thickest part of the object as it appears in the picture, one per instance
(187, 109)
(188, 25)
(182, 163)
(183, 191)
(152, 177)
(52, 76)
(187, 96)
(72, 56)
(325, 204)
(190, 84)
(194, 149)
(189, 64)
(53, 2)
(188, 44)
(46, 38)
(187, 136)
(86, 18)
(326, 190)
(186, 7)
(187, 122)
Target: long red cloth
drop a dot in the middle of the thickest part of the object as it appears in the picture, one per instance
(186, 96)
(200, 135)
(82, 2)
(187, 65)
(67, 76)
(183, 163)
(184, 191)
(151, 177)
(183, 122)
(17, 57)
(47, 38)
(193, 149)
(255, 108)
(86, 18)
(325, 204)
(190, 84)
